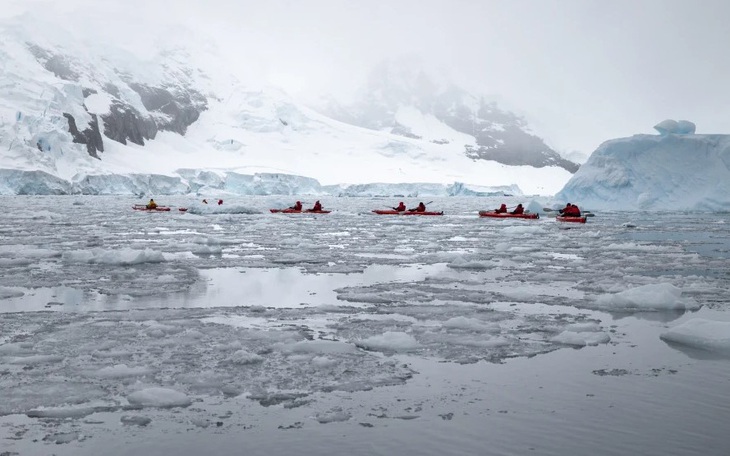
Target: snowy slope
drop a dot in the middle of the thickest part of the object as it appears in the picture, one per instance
(78, 107)
(663, 172)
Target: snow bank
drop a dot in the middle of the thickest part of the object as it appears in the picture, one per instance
(653, 297)
(647, 172)
(700, 333)
(159, 397)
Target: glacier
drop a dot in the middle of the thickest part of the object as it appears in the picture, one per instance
(99, 118)
(211, 183)
(670, 171)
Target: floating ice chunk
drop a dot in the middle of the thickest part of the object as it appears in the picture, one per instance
(124, 256)
(323, 362)
(333, 416)
(121, 371)
(245, 357)
(470, 324)
(653, 297)
(390, 341)
(134, 420)
(701, 333)
(159, 397)
(319, 346)
(34, 360)
(462, 263)
(61, 412)
(6, 293)
(17, 348)
(581, 338)
(523, 229)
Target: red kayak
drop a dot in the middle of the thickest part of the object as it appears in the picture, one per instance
(294, 211)
(142, 207)
(507, 215)
(392, 212)
(562, 218)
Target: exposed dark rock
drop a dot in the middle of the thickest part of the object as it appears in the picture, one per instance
(86, 91)
(124, 123)
(90, 136)
(58, 64)
(500, 135)
(182, 107)
(399, 129)
(112, 90)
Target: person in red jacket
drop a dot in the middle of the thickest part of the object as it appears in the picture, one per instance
(220, 202)
(502, 209)
(421, 208)
(570, 210)
(317, 207)
(518, 210)
(297, 206)
(401, 207)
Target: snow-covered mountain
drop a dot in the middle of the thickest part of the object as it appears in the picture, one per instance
(82, 113)
(686, 172)
(401, 98)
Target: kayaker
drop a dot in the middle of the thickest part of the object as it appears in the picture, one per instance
(502, 209)
(220, 202)
(518, 210)
(151, 204)
(317, 207)
(401, 207)
(570, 210)
(421, 208)
(297, 206)
(205, 201)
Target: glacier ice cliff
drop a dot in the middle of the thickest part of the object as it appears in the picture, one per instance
(685, 172)
(202, 182)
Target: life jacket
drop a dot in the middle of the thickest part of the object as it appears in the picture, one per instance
(573, 211)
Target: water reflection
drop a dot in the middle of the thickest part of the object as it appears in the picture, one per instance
(289, 287)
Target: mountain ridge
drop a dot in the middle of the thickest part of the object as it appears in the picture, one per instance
(74, 109)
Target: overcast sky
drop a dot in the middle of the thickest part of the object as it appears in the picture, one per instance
(581, 71)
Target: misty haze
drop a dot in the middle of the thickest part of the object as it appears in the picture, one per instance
(388, 227)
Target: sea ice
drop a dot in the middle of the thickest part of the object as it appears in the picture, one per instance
(701, 333)
(652, 297)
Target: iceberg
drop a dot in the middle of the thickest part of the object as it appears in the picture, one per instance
(686, 172)
(677, 127)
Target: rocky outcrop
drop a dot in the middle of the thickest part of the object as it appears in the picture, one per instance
(500, 135)
(172, 107)
(91, 136)
(124, 123)
(181, 107)
(57, 64)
